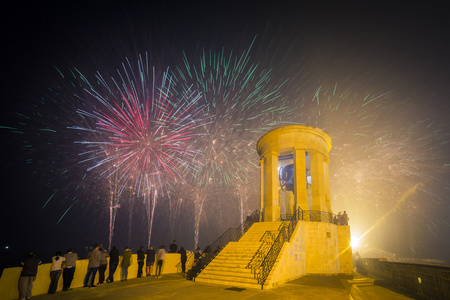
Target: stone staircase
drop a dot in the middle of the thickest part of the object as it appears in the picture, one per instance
(229, 266)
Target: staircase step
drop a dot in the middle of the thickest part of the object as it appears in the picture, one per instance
(242, 264)
(229, 266)
(227, 277)
(228, 254)
(229, 272)
(230, 283)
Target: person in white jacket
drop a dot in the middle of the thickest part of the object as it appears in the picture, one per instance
(161, 255)
(55, 271)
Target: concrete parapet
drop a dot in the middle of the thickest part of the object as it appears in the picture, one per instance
(430, 281)
(322, 248)
(290, 264)
(10, 278)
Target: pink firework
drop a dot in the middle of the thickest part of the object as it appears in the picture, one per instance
(139, 128)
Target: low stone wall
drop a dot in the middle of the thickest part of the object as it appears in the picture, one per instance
(315, 248)
(10, 278)
(290, 263)
(430, 281)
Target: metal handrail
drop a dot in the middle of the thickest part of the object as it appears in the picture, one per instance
(311, 215)
(284, 235)
(264, 260)
(178, 265)
(231, 235)
(266, 243)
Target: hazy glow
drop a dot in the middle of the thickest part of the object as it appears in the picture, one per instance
(355, 241)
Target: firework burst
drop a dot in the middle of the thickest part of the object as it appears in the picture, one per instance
(243, 104)
(383, 147)
(139, 128)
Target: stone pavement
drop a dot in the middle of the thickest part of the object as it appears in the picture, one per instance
(173, 286)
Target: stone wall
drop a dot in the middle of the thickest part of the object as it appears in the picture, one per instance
(315, 248)
(10, 277)
(322, 248)
(291, 260)
(345, 250)
(429, 281)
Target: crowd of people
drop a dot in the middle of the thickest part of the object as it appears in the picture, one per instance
(98, 262)
(341, 218)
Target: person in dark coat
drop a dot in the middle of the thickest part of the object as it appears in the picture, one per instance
(93, 265)
(126, 263)
(113, 263)
(183, 258)
(69, 270)
(197, 254)
(103, 264)
(28, 275)
(345, 218)
(207, 250)
(150, 260)
(140, 260)
(173, 247)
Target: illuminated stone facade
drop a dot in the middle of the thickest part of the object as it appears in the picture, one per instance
(294, 160)
(294, 174)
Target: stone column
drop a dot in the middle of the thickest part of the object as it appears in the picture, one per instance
(300, 192)
(272, 210)
(317, 181)
(326, 174)
(262, 188)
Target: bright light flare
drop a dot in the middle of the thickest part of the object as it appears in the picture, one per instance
(355, 241)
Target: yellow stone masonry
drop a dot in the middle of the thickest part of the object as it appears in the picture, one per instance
(294, 174)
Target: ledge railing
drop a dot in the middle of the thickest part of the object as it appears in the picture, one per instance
(267, 241)
(262, 272)
(311, 215)
(231, 235)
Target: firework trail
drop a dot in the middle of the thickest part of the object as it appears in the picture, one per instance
(382, 147)
(140, 130)
(52, 163)
(244, 104)
(383, 144)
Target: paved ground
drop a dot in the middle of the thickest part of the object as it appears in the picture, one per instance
(176, 287)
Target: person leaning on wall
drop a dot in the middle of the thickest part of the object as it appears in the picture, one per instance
(55, 271)
(28, 275)
(69, 270)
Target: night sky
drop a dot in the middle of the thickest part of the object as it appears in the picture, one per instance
(373, 76)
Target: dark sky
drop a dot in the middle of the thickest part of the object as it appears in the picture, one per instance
(397, 47)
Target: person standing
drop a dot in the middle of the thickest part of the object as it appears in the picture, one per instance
(69, 270)
(28, 275)
(197, 254)
(126, 262)
(161, 256)
(55, 271)
(113, 263)
(150, 260)
(140, 260)
(339, 217)
(103, 264)
(173, 247)
(345, 218)
(183, 259)
(93, 265)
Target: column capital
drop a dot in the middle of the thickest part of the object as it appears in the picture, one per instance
(274, 153)
(300, 149)
(325, 156)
